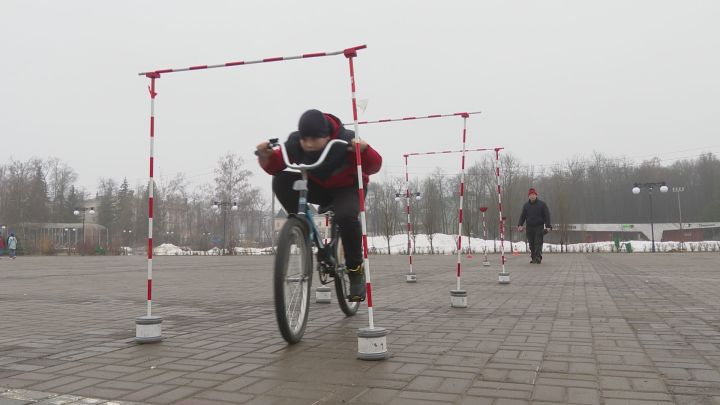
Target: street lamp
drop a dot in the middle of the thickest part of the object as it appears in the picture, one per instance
(485, 257)
(650, 186)
(679, 190)
(399, 195)
(127, 235)
(206, 237)
(217, 205)
(84, 210)
(410, 277)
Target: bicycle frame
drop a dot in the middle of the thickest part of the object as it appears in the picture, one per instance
(304, 208)
(326, 257)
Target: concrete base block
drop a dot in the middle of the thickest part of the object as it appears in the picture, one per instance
(323, 294)
(411, 278)
(458, 298)
(148, 329)
(504, 278)
(372, 344)
(486, 264)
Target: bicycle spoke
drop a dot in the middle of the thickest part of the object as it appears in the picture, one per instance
(292, 280)
(295, 288)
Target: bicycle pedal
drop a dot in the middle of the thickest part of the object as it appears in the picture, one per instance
(355, 298)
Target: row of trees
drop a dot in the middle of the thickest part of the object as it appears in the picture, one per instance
(43, 191)
(595, 190)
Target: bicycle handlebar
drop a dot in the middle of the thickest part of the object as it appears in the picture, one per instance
(302, 166)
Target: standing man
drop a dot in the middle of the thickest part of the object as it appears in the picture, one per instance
(12, 245)
(537, 216)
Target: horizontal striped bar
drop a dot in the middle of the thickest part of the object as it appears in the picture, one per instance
(250, 62)
(459, 114)
(452, 151)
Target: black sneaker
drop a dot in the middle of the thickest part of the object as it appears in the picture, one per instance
(538, 260)
(533, 261)
(357, 284)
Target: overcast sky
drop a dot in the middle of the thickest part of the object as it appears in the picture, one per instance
(554, 79)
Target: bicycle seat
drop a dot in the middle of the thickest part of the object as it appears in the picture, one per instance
(325, 208)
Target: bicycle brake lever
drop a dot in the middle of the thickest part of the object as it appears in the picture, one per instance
(272, 141)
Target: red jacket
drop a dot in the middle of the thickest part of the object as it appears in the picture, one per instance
(343, 172)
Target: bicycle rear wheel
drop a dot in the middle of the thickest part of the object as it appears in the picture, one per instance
(292, 280)
(342, 282)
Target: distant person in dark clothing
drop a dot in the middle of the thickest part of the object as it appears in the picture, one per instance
(537, 216)
(12, 245)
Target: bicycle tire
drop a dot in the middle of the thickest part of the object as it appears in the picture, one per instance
(292, 280)
(342, 282)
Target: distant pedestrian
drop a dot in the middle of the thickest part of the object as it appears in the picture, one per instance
(537, 216)
(2, 246)
(12, 245)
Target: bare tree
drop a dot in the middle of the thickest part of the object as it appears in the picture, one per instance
(432, 206)
(232, 185)
(388, 208)
(60, 176)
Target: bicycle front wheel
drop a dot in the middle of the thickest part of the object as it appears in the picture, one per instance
(292, 280)
(342, 282)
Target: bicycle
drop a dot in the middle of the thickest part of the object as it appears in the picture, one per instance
(294, 257)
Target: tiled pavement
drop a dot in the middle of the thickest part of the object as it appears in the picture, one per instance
(580, 329)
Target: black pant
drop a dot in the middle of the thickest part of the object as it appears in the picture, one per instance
(535, 239)
(346, 207)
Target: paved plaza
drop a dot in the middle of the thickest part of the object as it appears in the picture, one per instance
(579, 329)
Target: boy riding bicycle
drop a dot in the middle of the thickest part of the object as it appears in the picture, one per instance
(333, 183)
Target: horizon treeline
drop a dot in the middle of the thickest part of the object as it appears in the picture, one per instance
(592, 190)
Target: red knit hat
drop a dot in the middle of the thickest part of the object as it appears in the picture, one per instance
(532, 191)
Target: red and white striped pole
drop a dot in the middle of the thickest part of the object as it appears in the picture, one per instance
(148, 328)
(411, 276)
(372, 341)
(504, 276)
(411, 118)
(458, 297)
(486, 263)
(249, 62)
(448, 151)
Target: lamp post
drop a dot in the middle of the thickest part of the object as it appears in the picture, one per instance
(84, 210)
(127, 235)
(75, 243)
(206, 237)
(679, 190)
(411, 277)
(486, 263)
(650, 186)
(222, 205)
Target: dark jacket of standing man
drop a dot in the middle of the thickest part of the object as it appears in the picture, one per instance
(537, 216)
